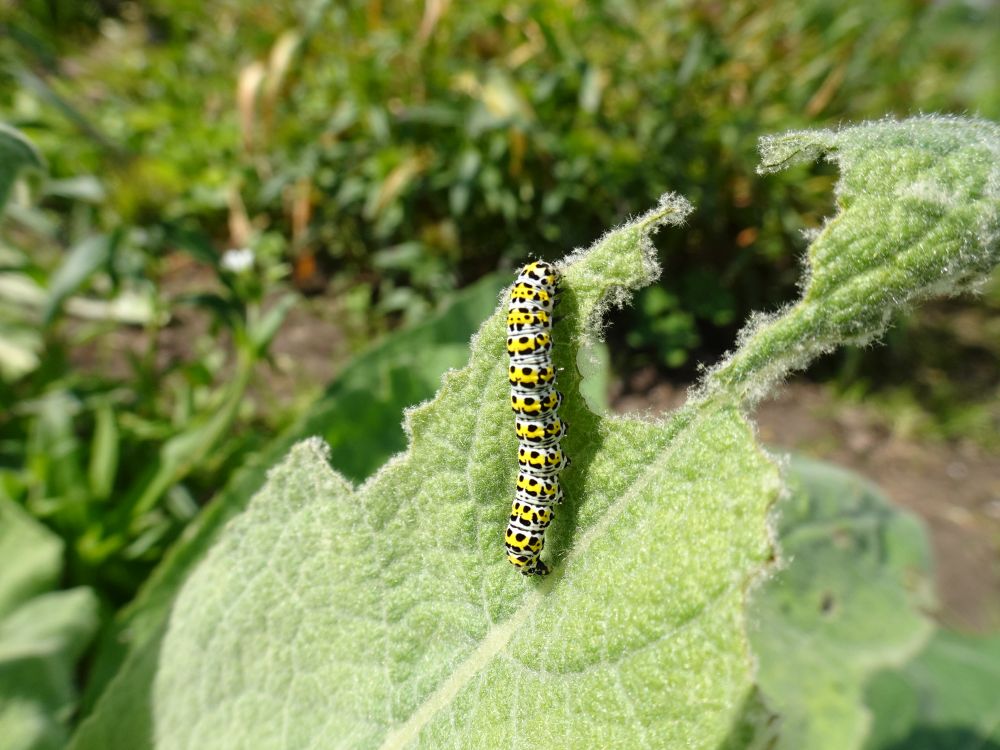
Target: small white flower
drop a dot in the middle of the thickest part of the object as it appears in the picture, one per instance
(237, 260)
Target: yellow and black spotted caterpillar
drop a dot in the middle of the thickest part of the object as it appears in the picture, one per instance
(539, 429)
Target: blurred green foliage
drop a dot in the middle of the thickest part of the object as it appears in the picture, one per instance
(848, 601)
(946, 698)
(398, 151)
(411, 148)
(113, 427)
(42, 634)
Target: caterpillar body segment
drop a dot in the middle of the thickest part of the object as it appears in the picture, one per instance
(547, 430)
(531, 377)
(535, 404)
(542, 461)
(540, 273)
(530, 295)
(527, 319)
(529, 517)
(539, 490)
(530, 346)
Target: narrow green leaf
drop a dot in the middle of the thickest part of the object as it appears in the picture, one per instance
(103, 453)
(847, 603)
(85, 188)
(81, 262)
(183, 451)
(39, 86)
(55, 458)
(592, 88)
(947, 698)
(262, 330)
(16, 153)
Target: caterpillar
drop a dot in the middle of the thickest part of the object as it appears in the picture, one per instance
(535, 403)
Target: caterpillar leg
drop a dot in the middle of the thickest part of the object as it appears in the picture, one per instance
(528, 566)
(538, 569)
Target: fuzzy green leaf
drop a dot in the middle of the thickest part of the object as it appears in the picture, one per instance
(357, 415)
(919, 217)
(386, 616)
(847, 604)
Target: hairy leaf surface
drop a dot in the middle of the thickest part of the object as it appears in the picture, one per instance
(385, 615)
(357, 415)
(919, 217)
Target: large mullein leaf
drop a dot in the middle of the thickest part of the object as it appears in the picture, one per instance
(385, 615)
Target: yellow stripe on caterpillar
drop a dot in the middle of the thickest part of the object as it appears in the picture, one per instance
(541, 461)
(538, 404)
(544, 431)
(531, 377)
(529, 343)
(527, 318)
